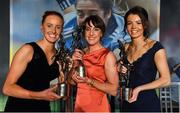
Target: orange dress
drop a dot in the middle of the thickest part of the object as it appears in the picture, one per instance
(88, 98)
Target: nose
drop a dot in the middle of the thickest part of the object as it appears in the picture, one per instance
(53, 30)
(133, 25)
(91, 32)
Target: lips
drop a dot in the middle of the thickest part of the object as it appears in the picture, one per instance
(90, 38)
(134, 31)
(52, 36)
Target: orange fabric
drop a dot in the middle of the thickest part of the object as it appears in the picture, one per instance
(88, 98)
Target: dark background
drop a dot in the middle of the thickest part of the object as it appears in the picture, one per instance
(4, 39)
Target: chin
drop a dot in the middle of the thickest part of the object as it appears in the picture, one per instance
(92, 44)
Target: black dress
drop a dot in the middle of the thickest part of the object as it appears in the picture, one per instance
(144, 71)
(36, 77)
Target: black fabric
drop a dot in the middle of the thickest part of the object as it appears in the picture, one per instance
(144, 71)
(36, 77)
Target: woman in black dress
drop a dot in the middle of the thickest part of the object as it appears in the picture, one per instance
(32, 69)
(147, 57)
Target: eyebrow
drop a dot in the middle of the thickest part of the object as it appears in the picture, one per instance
(92, 10)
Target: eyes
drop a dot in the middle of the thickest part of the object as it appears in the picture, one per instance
(92, 29)
(52, 26)
(83, 14)
(134, 22)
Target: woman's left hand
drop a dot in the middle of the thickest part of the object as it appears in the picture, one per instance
(89, 81)
(134, 94)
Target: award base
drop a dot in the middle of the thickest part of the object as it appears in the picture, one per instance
(81, 71)
(62, 89)
(126, 93)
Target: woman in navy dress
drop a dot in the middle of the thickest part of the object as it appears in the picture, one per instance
(147, 57)
(32, 69)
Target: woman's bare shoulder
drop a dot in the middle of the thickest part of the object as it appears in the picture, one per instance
(25, 52)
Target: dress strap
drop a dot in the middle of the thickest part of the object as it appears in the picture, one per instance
(157, 47)
(36, 49)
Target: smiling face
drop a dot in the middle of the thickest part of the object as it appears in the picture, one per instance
(134, 26)
(52, 28)
(92, 34)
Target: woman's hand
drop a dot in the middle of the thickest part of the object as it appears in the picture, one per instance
(134, 94)
(89, 81)
(49, 94)
(77, 78)
(77, 55)
(121, 68)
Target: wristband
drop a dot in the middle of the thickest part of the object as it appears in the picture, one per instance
(92, 82)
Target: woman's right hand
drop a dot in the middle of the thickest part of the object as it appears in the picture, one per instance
(77, 78)
(49, 94)
(122, 68)
(78, 54)
(76, 57)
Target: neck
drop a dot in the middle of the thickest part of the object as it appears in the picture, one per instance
(46, 45)
(138, 43)
(95, 47)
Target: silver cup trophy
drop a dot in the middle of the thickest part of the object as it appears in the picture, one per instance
(62, 89)
(81, 70)
(127, 93)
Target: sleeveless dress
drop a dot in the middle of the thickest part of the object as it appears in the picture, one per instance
(36, 77)
(144, 71)
(88, 98)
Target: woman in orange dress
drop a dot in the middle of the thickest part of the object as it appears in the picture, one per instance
(101, 71)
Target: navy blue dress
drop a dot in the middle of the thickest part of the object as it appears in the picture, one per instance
(36, 77)
(144, 71)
